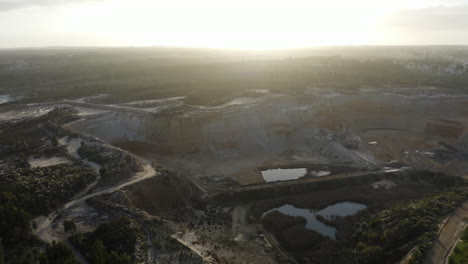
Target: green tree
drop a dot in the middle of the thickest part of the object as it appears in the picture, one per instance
(14, 220)
(115, 258)
(59, 253)
(371, 254)
(69, 226)
(2, 258)
(99, 254)
(54, 141)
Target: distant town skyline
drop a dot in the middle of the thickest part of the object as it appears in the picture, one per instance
(256, 24)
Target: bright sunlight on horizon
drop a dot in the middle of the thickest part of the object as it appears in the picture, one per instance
(254, 24)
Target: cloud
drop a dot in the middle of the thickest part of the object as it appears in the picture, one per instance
(6, 5)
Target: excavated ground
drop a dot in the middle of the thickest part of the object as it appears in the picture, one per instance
(226, 146)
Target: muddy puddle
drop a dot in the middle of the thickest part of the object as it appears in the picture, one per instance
(329, 213)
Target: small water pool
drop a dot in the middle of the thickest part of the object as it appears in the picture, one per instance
(320, 173)
(5, 98)
(329, 213)
(273, 175)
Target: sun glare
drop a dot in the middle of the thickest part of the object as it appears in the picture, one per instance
(241, 24)
(236, 24)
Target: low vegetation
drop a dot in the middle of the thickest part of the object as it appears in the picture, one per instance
(57, 253)
(15, 222)
(69, 226)
(115, 165)
(17, 243)
(33, 191)
(94, 155)
(168, 249)
(33, 136)
(460, 253)
(42, 190)
(387, 236)
(110, 243)
(26, 192)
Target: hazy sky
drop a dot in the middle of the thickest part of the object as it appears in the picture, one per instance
(232, 24)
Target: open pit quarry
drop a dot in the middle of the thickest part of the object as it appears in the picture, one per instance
(234, 141)
(235, 176)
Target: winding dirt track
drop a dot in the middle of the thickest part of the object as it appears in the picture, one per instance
(448, 236)
(44, 222)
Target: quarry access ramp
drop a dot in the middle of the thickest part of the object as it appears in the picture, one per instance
(245, 194)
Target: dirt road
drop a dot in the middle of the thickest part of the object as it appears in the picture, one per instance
(44, 223)
(448, 236)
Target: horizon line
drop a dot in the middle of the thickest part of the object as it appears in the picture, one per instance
(226, 48)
